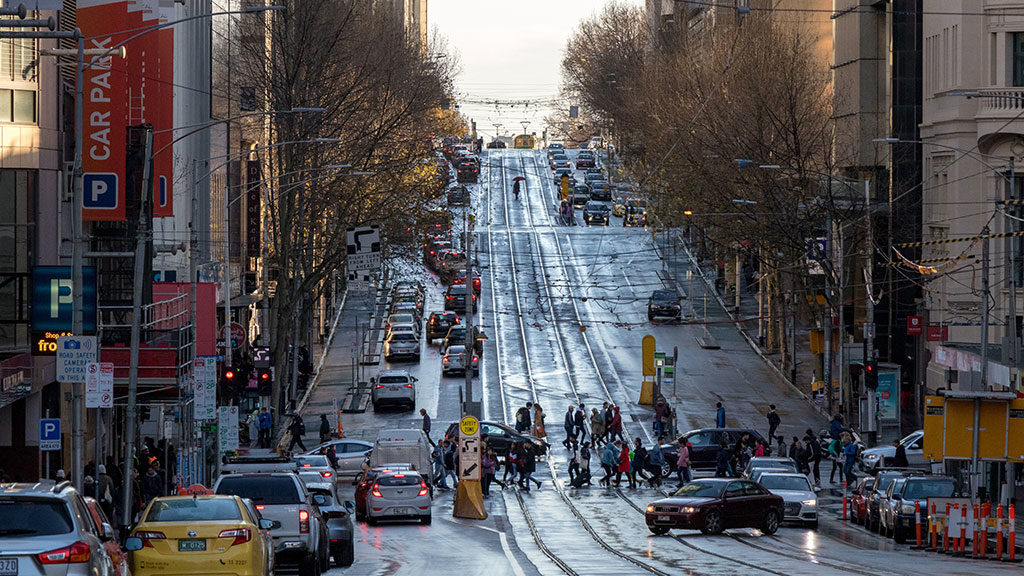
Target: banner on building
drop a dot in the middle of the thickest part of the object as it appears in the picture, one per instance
(252, 208)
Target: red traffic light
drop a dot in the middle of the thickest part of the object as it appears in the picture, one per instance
(229, 374)
(265, 376)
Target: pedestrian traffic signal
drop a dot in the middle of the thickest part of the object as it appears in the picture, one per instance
(871, 375)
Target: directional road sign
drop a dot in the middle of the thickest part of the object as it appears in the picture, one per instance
(469, 448)
(363, 248)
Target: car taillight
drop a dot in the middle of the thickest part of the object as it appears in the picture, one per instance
(241, 535)
(77, 553)
(147, 536)
(260, 506)
(445, 359)
(450, 297)
(379, 386)
(475, 358)
(433, 321)
(306, 465)
(376, 490)
(304, 521)
(326, 474)
(423, 489)
(406, 385)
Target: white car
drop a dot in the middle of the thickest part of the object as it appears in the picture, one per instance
(410, 328)
(398, 495)
(394, 387)
(800, 501)
(401, 344)
(314, 469)
(874, 459)
(455, 360)
(351, 454)
(401, 318)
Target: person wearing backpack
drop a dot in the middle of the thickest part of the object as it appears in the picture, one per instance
(297, 429)
(815, 447)
(523, 418)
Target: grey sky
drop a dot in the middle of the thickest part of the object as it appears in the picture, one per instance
(510, 50)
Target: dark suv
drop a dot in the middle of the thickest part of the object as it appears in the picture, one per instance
(706, 442)
(664, 303)
(873, 516)
(438, 324)
(455, 298)
(499, 437)
(901, 502)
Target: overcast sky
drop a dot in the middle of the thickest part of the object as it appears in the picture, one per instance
(509, 49)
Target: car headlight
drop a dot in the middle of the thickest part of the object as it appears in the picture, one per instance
(650, 508)
(908, 509)
(871, 457)
(811, 502)
(687, 509)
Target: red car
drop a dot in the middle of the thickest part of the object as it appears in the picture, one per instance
(858, 499)
(715, 504)
(364, 481)
(117, 556)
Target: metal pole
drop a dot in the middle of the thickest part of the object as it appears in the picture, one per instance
(869, 309)
(77, 431)
(228, 347)
(133, 365)
(1011, 323)
(841, 281)
(47, 455)
(739, 274)
(470, 339)
(826, 368)
(193, 298)
(984, 307)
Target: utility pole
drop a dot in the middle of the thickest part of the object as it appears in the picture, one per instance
(984, 307)
(826, 365)
(869, 324)
(468, 406)
(77, 400)
(1011, 271)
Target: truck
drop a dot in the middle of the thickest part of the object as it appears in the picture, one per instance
(402, 446)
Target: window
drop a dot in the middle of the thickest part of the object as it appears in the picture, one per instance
(18, 68)
(1018, 58)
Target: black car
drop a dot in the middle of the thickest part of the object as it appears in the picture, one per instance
(457, 335)
(458, 196)
(495, 144)
(664, 304)
(596, 213)
(455, 298)
(439, 323)
(499, 437)
(339, 522)
(580, 197)
(705, 443)
(599, 190)
(467, 171)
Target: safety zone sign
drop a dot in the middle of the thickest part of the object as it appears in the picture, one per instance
(469, 448)
(99, 385)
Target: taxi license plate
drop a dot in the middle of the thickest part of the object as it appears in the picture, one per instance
(191, 545)
(9, 567)
(664, 518)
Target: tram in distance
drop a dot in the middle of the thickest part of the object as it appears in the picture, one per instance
(525, 142)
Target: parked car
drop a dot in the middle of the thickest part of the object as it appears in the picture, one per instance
(901, 509)
(314, 469)
(393, 387)
(800, 501)
(460, 278)
(457, 335)
(664, 304)
(455, 298)
(351, 454)
(117, 556)
(858, 499)
(599, 190)
(875, 459)
(298, 529)
(438, 324)
(705, 442)
(500, 437)
(455, 359)
(337, 514)
(406, 318)
(193, 533)
(467, 171)
(715, 504)
(883, 481)
(458, 196)
(782, 463)
(449, 262)
(45, 529)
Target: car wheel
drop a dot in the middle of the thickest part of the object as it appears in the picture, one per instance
(376, 407)
(771, 522)
(325, 560)
(348, 554)
(426, 520)
(898, 535)
(813, 524)
(712, 522)
(870, 523)
(387, 358)
(650, 316)
(371, 520)
(309, 566)
(658, 530)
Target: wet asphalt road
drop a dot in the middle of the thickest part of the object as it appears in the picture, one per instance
(564, 309)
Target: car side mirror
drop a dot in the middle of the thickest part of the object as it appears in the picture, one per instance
(415, 379)
(108, 532)
(351, 505)
(133, 544)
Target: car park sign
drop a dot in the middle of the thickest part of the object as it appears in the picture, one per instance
(49, 434)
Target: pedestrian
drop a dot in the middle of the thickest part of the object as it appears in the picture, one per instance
(722, 467)
(569, 424)
(580, 422)
(297, 428)
(660, 414)
(437, 459)
(609, 415)
(625, 465)
(683, 462)
(332, 455)
(773, 421)
(794, 448)
(538, 422)
(803, 456)
(523, 418)
(609, 461)
(596, 426)
(529, 466)
(487, 467)
(584, 463)
(639, 463)
(656, 460)
(138, 496)
(106, 490)
(266, 424)
(510, 465)
(781, 448)
(814, 447)
(836, 428)
(615, 428)
(899, 460)
(760, 450)
(742, 453)
(426, 425)
(574, 460)
(254, 428)
(325, 429)
(719, 415)
(449, 462)
(850, 452)
(152, 486)
(835, 448)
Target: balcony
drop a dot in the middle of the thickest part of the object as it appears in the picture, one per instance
(1000, 111)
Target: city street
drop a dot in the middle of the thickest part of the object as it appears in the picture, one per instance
(542, 282)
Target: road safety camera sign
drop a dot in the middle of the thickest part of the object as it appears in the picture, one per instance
(74, 353)
(469, 448)
(363, 248)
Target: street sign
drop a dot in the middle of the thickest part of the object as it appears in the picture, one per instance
(237, 334)
(53, 304)
(647, 355)
(915, 324)
(49, 434)
(74, 353)
(469, 448)
(227, 428)
(869, 329)
(363, 248)
(99, 385)
(359, 279)
(204, 388)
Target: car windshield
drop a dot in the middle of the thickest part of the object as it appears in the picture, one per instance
(311, 460)
(401, 318)
(774, 465)
(399, 480)
(665, 296)
(194, 510)
(700, 490)
(453, 350)
(403, 337)
(392, 380)
(271, 490)
(457, 289)
(924, 489)
(33, 517)
(785, 483)
(324, 496)
(882, 484)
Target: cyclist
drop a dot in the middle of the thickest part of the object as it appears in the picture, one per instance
(515, 189)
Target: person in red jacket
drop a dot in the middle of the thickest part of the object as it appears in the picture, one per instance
(624, 465)
(615, 428)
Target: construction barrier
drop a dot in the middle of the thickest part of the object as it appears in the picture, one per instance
(933, 528)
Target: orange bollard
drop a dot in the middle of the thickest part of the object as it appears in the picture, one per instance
(844, 499)
(975, 544)
(917, 521)
(945, 531)
(986, 513)
(1011, 540)
(933, 529)
(961, 519)
(999, 532)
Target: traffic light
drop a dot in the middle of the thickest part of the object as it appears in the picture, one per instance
(871, 375)
(264, 377)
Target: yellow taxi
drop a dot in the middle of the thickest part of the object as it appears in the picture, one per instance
(619, 207)
(209, 534)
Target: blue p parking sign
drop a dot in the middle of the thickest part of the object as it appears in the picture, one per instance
(49, 434)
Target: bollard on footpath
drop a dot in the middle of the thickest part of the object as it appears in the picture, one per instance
(999, 532)
(975, 537)
(945, 531)
(1011, 540)
(917, 521)
(933, 529)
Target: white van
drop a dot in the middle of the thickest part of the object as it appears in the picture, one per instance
(402, 445)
